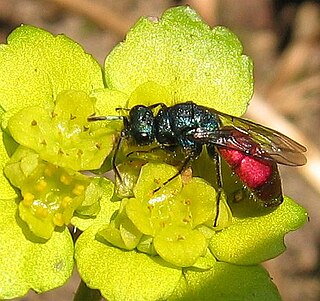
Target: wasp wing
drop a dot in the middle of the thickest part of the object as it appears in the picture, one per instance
(238, 134)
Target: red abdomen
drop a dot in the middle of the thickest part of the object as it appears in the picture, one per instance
(260, 175)
(253, 172)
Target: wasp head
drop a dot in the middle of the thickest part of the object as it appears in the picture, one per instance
(140, 125)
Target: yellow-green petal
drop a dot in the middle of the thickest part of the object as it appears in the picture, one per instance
(50, 194)
(108, 100)
(180, 246)
(107, 208)
(63, 136)
(7, 191)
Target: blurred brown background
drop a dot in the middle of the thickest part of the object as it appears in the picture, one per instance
(283, 39)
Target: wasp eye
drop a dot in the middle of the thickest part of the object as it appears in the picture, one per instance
(141, 125)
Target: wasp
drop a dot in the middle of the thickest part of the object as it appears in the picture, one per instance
(251, 150)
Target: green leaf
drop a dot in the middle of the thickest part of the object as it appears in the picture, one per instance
(27, 262)
(188, 59)
(227, 282)
(123, 275)
(36, 66)
(251, 240)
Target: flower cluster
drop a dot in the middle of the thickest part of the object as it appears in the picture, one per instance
(159, 243)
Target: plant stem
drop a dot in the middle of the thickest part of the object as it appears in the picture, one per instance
(85, 293)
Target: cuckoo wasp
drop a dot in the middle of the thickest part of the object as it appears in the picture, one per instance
(250, 149)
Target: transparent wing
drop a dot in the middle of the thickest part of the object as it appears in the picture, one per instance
(244, 135)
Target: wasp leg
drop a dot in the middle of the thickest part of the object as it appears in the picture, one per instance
(217, 159)
(181, 169)
(114, 159)
(122, 109)
(110, 118)
(137, 152)
(158, 104)
(153, 106)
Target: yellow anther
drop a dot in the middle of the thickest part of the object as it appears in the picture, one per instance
(65, 179)
(50, 170)
(41, 185)
(58, 219)
(28, 198)
(78, 189)
(79, 152)
(66, 201)
(41, 212)
(162, 224)
(186, 220)
(187, 202)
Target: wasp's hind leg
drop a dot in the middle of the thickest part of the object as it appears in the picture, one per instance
(191, 151)
(181, 169)
(152, 155)
(217, 159)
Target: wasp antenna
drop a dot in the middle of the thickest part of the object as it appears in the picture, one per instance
(122, 109)
(109, 118)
